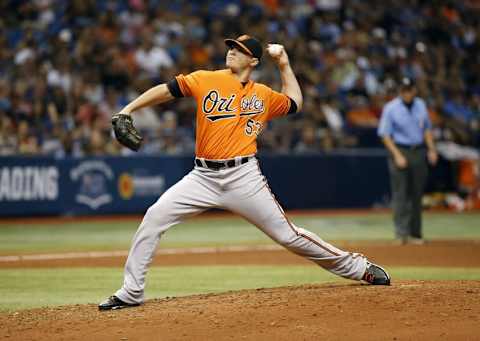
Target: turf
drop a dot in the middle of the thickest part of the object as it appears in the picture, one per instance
(18, 238)
(31, 288)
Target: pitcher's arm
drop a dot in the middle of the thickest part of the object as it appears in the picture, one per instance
(156, 95)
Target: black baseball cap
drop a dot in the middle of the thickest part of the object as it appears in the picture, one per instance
(246, 44)
(407, 83)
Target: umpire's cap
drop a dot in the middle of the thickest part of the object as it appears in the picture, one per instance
(246, 44)
(407, 83)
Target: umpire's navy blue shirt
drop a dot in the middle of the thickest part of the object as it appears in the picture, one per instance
(403, 124)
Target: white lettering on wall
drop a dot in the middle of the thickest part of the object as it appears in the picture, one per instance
(28, 183)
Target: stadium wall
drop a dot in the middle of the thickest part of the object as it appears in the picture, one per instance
(117, 185)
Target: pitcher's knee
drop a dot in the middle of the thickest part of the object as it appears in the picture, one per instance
(151, 215)
(153, 218)
(159, 209)
(287, 240)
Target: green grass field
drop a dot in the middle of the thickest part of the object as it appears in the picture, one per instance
(29, 288)
(17, 238)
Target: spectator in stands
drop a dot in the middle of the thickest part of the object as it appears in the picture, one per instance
(361, 113)
(457, 108)
(151, 58)
(27, 142)
(53, 142)
(309, 142)
(8, 138)
(79, 49)
(96, 144)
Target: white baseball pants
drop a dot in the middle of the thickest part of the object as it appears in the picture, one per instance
(242, 190)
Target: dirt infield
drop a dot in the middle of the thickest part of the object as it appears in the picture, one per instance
(436, 253)
(408, 310)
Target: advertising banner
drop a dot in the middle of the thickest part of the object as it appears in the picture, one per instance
(44, 186)
(118, 185)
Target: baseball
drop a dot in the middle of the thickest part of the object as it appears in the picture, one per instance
(275, 50)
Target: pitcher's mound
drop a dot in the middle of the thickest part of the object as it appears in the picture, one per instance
(407, 310)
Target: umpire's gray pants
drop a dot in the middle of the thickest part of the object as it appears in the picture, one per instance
(243, 190)
(407, 187)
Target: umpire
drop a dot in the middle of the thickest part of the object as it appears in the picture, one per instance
(405, 129)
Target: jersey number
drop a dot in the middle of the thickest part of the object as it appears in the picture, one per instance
(253, 127)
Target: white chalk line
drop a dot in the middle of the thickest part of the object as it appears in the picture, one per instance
(106, 254)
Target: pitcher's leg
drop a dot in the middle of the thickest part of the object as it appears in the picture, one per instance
(254, 201)
(186, 198)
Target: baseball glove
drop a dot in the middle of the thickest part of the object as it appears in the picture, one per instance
(125, 132)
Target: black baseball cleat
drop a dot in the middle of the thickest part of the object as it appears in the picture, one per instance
(376, 275)
(113, 303)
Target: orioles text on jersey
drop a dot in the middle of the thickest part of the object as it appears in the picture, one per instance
(230, 115)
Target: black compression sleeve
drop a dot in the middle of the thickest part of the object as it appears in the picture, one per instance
(174, 88)
(293, 107)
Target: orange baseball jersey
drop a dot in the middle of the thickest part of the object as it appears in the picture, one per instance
(230, 115)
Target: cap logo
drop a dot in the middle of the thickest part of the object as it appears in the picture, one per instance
(243, 37)
(246, 44)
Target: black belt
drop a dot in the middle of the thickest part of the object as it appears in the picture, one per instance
(410, 146)
(216, 165)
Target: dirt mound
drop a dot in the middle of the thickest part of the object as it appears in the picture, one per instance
(407, 310)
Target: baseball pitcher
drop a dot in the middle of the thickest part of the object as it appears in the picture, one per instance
(232, 110)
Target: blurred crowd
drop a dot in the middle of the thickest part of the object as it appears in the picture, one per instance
(67, 66)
